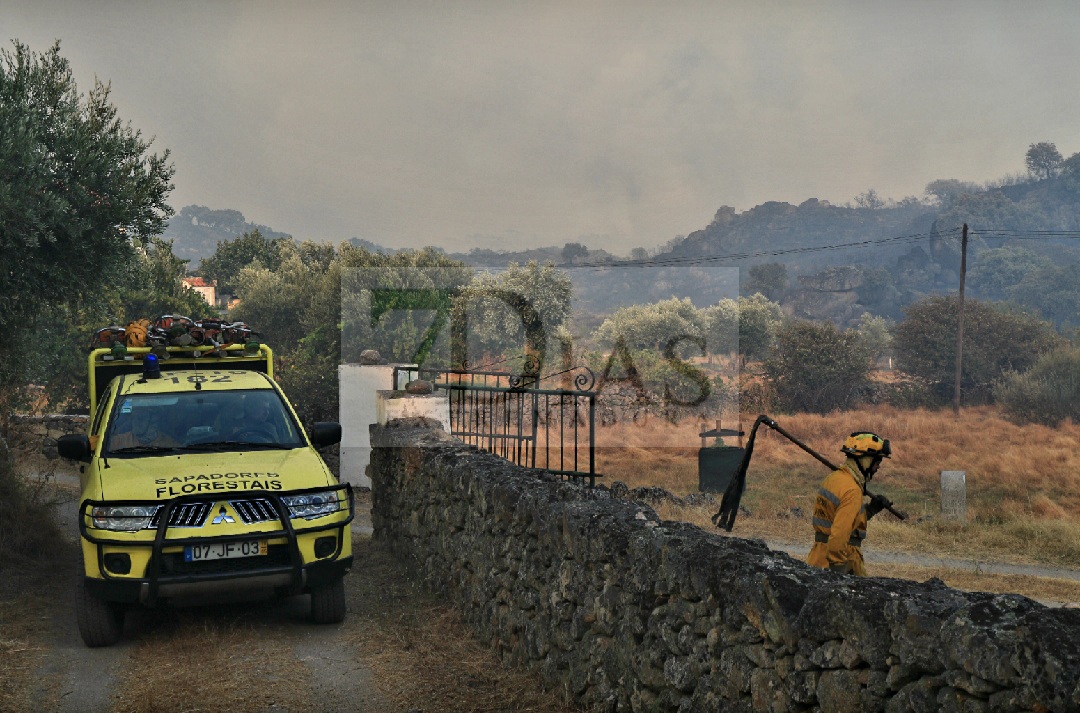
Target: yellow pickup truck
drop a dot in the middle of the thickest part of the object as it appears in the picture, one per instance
(199, 481)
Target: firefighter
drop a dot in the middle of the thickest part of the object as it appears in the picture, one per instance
(839, 513)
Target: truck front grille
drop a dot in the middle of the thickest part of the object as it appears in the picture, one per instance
(185, 515)
(254, 510)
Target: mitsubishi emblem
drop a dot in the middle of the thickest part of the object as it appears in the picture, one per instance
(223, 517)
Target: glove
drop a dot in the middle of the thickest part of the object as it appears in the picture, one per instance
(877, 504)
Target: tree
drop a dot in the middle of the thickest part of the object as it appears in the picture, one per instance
(994, 208)
(507, 313)
(723, 327)
(870, 200)
(816, 368)
(232, 256)
(996, 271)
(770, 279)
(996, 341)
(1053, 290)
(654, 326)
(399, 304)
(78, 187)
(873, 335)
(79, 193)
(1071, 165)
(154, 286)
(948, 190)
(1043, 159)
(759, 319)
(572, 251)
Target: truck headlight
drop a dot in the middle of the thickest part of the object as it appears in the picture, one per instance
(123, 518)
(312, 505)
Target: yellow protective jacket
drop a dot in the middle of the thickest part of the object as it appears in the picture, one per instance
(840, 521)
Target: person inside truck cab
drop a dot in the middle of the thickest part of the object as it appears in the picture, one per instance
(256, 424)
(141, 428)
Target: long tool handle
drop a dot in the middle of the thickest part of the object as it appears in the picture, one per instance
(776, 427)
(729, 505)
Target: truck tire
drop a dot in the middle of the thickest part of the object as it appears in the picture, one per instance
(328, 602)
(100, 622)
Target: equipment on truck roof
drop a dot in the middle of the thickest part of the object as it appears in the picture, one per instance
(185, 343)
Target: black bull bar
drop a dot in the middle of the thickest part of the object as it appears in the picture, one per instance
(154, 576)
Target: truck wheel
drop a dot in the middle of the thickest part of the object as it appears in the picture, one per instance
(328, 602)
(100, 622)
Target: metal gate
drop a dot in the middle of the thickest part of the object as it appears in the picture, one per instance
(523, 418)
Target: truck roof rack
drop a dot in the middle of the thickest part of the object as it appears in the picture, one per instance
(104, 364)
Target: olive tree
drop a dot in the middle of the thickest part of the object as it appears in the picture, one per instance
(78, 186)
(759, 320)
(520, 310)
(81, 198)
(654, 326)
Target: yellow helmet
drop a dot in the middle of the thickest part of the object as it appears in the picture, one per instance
(864, 443)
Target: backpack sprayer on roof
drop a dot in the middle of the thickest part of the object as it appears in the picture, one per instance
(729, 506)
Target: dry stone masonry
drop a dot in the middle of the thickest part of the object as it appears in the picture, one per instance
(628, 612)
(37, 435)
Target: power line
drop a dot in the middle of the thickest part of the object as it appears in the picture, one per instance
(699, 259)
(1027, 234)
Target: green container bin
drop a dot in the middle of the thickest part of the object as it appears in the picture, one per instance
(717, 466)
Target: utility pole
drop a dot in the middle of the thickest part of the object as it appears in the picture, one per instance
(960, 321)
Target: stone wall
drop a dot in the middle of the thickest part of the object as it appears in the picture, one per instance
(628, 612)
(34, 437)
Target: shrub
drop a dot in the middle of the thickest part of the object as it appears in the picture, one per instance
(816, 368)
(996, 341)
(1048, 393)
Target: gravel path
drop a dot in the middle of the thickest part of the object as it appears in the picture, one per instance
(921, 560)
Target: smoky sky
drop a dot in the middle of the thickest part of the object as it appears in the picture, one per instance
(515, 124)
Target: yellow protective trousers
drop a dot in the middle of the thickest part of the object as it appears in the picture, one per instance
(840, 522)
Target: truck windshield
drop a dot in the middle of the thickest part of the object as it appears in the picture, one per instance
(146, 424)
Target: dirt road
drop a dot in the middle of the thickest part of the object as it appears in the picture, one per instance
(251, 656)
(399, 649)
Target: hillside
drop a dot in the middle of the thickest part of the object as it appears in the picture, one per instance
(196, 230)
(908, 250)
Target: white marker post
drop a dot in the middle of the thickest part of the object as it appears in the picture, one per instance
(954, 496)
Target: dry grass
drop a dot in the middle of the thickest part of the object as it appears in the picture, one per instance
(423, 656)
(1047, 589)
(1023, 481)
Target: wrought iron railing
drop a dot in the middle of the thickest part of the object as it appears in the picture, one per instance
(540, 422)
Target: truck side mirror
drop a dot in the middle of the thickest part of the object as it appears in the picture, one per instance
(325, 433)
(74, 447)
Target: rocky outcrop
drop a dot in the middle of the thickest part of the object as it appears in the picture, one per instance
(628, 612)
